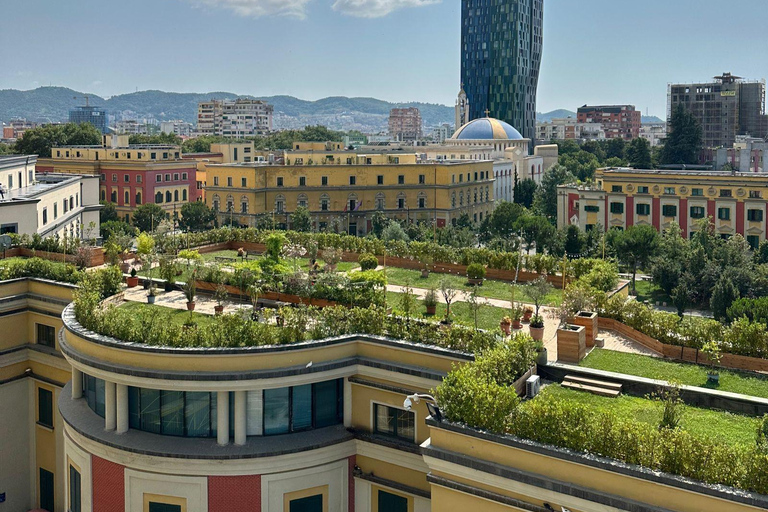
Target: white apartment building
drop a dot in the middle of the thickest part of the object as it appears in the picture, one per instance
(177, 127)
(47, 204)
(568, 128)
(654, 133)
(234, 118)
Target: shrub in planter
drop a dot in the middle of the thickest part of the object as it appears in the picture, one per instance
(430, 301)
(220, 295)
(190, 291)
(368, 262)
(537, 327)
(712, 350)
(506, 325)
(475, 273)
(133, 280)
(527, 314)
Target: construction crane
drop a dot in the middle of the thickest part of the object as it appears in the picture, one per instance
(86, 96)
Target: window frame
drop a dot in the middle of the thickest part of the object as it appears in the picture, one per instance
(394, 434)
(45, 399)
(665, 208)
(52, 334)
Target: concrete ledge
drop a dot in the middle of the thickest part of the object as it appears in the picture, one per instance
(641, 387)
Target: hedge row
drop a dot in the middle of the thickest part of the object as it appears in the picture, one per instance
(37, 267)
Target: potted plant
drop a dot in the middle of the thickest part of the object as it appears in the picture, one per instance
(331, 257)
(712, 350)
(541, 352)
(537, 327)
(151, 294)
(517, 315)
(133, 280)
(506, 325)
(430, 301)
(527, 314)
(190, 291)
(475, 274)
(168, 272)
(220, 295)
(254, 291)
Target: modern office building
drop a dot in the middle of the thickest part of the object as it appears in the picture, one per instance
(62, 205)
(725, 108)
(618, 121)
(405, 124)
(96, 116)
(501, 46)
(734, 201)
(238, 118)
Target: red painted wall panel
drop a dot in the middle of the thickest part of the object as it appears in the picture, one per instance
(230, 493)
(682, 214)
(108, 485)
(656, 212)
(740, 217)
(629, 212)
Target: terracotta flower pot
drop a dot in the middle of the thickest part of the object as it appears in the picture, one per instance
(190, 306)
(132, 282)
(431, 310)
(517, 324)
(527, 316)
(505, 327)
(537, 333)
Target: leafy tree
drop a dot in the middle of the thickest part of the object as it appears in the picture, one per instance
(202, 144)
(394, 231)
(524, 192)
(160, 138)
(116, 228)
(615, 148)
(581, 164)
(108, 212)
(594, 147)
(40, 140)
(545, 199)
(5, 149)
(614, 162)
(502, 220)
(575, 241)
(680, 298)
(723, 296)
(684, 141)
(196, 216)
(301, 219)
(761, 254)
(147, 216)
(465, 221)
(379, 221)
(537, 230)
(639, 154)
(635, 246)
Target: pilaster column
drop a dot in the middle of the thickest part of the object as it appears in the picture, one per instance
(240, 417)
(222, 417)
(77, 384)
(122, 408)
(110, 409)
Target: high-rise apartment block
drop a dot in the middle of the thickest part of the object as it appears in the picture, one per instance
(177, 127)
(96, 116)
(500, 58)
(405, 123)
(237, 118)
(619, 121)
(725, 108)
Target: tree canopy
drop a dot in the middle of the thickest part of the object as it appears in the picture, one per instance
(147, 216)
(196, 216)
(40, 140)
(684, 142)
(545, 199)
(160, 138)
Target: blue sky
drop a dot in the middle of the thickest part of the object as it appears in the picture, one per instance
(595, 51)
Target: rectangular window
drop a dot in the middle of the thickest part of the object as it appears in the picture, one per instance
(163, 507)
(726, 192)
(127, 178)
(75, 487)
(592, 208)
(216, 181)
(755, 215)
(643, 209)
(724, 213)
(172, 412)
(55, 211)
(380, 179)
(276, 411)
(391, 502)
(301, 407)
(755, 194)
(168, 177)
(279, 181)
(394, 422)
(158, 178)
(114, 178)
(197, 414)
(422, 179)
(324, 180)
(353, 180)
(617, 188)
(302, 181)
(401, 179)
(697, 191)
(243, 182)
(46, 335)
(670, 191)
(45, 407)
(642, 190)
(753, 241)
(327, 404)
(229, 181)
(46, 490)
(149, 400)
(312, 503)
(617, 207)
(669, 210)
(697, 212)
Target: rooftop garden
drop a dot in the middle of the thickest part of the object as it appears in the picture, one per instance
(13, 268)
(658, 433)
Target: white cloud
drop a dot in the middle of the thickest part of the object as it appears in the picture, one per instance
(257, 8)
(376, 8)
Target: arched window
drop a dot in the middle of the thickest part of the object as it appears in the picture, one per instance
(159, 197)
(216, 201)
(475, 196)
(138, 198)
(422, 200)
(279, 203)
(230, 203)
(401, 200)
(244, 204)
(113, 196)
(184, 194)
(176, 196)
(380, 201)
(352, 202)
(126, 197)
(168, 196)
(302, 200)
(487, 195)
(453, 200)
(461, 198)
(325, 203)
(103, 195)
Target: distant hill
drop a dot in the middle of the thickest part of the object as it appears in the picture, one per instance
(50, 104)
(652, 120)
(555, 114)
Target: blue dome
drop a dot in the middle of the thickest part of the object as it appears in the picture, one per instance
(487, 128)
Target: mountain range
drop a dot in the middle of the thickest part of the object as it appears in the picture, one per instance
(52, 104)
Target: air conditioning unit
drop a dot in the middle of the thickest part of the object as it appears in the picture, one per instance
(532, 386)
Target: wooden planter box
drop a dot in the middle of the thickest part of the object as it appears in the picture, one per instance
(519, 384)
(571, 344)
(588, 320)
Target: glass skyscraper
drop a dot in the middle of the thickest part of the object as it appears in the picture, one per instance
(500, 59)
(96, 116)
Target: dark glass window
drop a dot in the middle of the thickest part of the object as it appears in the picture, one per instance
(669, 210)
(197, 414)
(697, 212)
(149, 410)
(394, 422)
(172, 409)
(311, 504)
(276, 411)
(755, 215)
(46, 335)
(617, 207)
(380, 179)
(93, 391)
(75, 497)
(401, 179)
(301, 407)
(592, 208)
(327, 403)
(45, 407)
(643, 209)
(392, 502)
(163, 507)
(724, 213)
(46, 490)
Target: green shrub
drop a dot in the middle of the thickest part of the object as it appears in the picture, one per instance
(368, 261)
(756, 310)
(37, 267)
(475, 271)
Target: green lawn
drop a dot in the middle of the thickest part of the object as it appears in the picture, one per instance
(488, 317)
(490, 288)
(746, 383)
(725, 427)
(648, 290)
(178, 316)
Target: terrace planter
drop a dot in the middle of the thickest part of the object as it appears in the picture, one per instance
(132, 282)
(218, 310)
(527, 314)
(571, 343)
(517, 325)
(588, 320)
(190, 306)
(475, 281)
(150, 299)
(167, 286)
(431, 310)
(537, 333)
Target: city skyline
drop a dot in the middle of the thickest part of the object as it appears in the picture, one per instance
(318, 41)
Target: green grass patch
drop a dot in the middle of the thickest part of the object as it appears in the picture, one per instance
(492, 289)
(176, 316)
(726, 427)
(488, 317)
(651, 292)
(745, 383)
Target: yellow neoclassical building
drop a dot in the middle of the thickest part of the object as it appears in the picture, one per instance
(352, 192)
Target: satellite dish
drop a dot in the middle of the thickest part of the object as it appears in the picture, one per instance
(5, 242)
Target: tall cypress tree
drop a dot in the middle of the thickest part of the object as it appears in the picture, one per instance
(683, 144)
